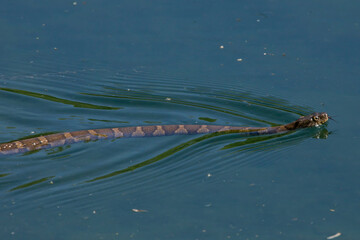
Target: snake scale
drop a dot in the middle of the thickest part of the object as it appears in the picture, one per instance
(61, 139)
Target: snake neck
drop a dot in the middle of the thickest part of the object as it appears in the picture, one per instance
(293, 126)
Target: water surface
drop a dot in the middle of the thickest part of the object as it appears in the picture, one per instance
(81, 65)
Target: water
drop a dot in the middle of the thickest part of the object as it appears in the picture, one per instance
(69, 66)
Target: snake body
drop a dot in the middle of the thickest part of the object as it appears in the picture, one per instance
(61, 139)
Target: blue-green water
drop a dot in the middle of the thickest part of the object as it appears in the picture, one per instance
(66, 66)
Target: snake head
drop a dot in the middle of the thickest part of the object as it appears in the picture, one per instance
(313, 120)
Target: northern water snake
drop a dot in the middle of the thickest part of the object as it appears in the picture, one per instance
(60, 139)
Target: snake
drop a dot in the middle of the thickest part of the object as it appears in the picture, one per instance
(60, 139)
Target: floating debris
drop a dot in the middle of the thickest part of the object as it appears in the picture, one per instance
(334, 236)
(139, 210)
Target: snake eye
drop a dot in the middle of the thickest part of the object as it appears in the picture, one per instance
(316, 118)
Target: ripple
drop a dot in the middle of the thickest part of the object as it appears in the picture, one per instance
(96, 98)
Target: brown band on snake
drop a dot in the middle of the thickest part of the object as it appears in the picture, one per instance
(60, 139)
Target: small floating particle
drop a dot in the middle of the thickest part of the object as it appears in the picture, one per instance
(221, 47)
(334, 236)
(74, 3)
(209, 175)
(239, 59)
(332, 210)
(168, 99)
(94, 212)
(139, 210)
(268, 54)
